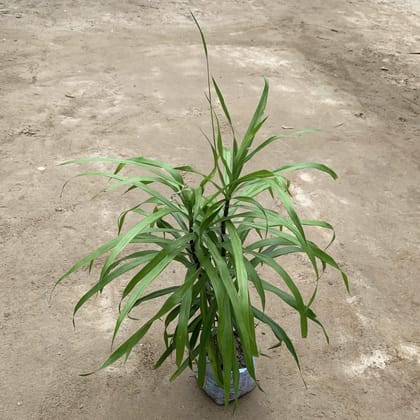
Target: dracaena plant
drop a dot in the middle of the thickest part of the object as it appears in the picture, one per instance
(221, 233)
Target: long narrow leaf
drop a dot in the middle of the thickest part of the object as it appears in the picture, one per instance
(182, 326)
(149, 273)
(89, 258)
(306, 165)
(278, 332)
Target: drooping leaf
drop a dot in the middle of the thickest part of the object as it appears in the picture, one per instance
(306, 165)
(279, 333)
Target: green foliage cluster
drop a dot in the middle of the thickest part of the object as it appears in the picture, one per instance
(220, 231)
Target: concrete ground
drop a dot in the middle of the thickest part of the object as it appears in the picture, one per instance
(126, 78)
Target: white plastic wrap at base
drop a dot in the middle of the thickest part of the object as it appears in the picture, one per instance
(216, 392)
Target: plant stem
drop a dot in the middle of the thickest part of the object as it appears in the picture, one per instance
(223, 225)
(192, 246)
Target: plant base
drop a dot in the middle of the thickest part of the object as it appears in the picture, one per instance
(216, 392)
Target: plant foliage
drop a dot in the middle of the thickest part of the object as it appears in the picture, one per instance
(221, 233)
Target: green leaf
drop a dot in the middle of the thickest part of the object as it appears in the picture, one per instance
(300, 306)
(208, 315)
(239, 200)
(262, 173)
(226, 286)
(203, 39)
(323, 224)
(194, 329)
(209, 97)
(121, 218)
(239, 263)
(148, 274)
(256, 280)
(228, 350)
(256, 122)
(278, 332)
(126, 347)
(108, 277)
(291, 301)
(138, 184)
(182, 326)
(156, 294)
(223, 154)
(326, 258)
(142, 162)
(123, 240)
(306, 165)
(183, 365)
(89, 258)
(222, 103)
(272, 139)
(288, 205)
(165, 355)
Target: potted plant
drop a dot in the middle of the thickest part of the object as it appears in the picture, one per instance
(221, 233)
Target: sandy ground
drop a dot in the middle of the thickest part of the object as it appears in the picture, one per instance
(124, 78)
